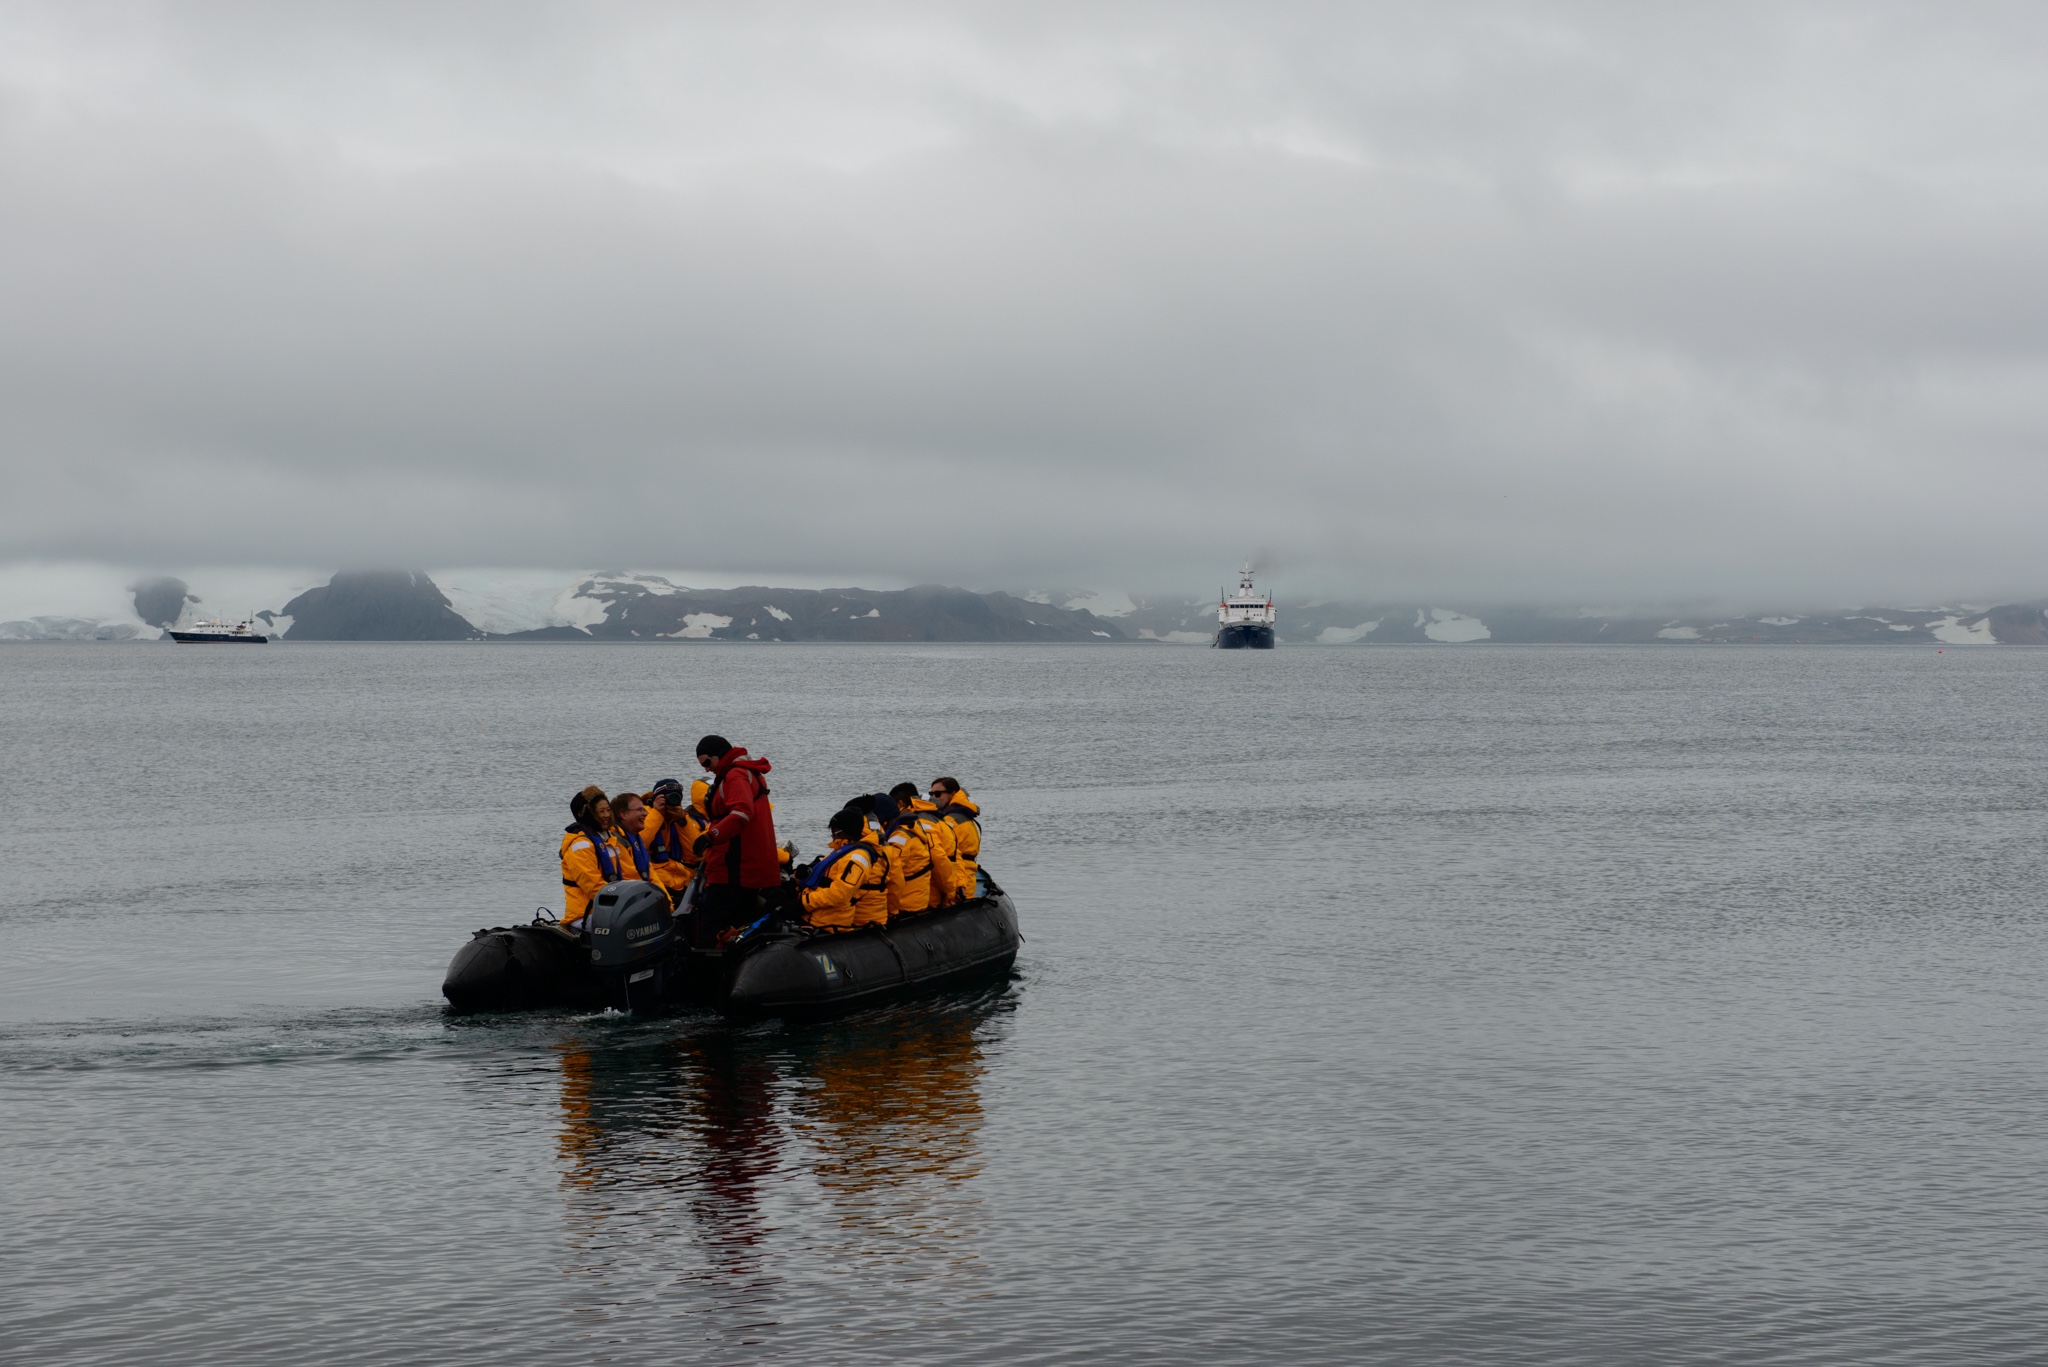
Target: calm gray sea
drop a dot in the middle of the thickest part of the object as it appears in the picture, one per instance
(1431, 1005)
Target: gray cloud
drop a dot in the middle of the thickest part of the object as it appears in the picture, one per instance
(1551, 303)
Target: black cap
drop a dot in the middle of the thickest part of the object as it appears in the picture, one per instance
(847, 822)
(883, 806)
(714, 746)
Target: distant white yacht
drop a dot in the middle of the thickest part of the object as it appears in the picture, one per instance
(1244, 621)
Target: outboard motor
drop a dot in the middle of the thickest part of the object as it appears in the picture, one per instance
(632, 944)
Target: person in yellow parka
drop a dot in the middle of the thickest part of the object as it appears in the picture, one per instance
(938, 839)
(629, 818)
(592, 853)
(848, 887)
(670, 831)
(910, 859)
(957, 810)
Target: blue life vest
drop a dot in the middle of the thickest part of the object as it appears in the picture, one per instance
(606, 865)
(822, 870)
(668, 841)
(639, 850)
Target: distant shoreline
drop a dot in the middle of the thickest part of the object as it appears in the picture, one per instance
(620, 606)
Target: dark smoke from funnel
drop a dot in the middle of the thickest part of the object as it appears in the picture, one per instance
(160, 602)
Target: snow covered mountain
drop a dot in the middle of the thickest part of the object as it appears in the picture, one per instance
(59, 602)
(1323, 622)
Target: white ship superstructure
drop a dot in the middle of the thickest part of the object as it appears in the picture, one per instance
(1244, 619)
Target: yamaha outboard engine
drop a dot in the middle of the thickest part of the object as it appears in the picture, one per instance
(633, 944)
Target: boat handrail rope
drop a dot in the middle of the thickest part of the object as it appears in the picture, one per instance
(902, 968)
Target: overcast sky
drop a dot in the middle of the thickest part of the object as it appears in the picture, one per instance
(1520, 302)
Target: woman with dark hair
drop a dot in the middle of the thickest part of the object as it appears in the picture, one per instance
(629, 818)
(590, 852)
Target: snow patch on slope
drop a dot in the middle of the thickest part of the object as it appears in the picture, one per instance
(1679, 634)
(699, 625)
(573, 608)
(1442, 624)
(1102, 604)
(505, 601)
(74, 629)
(1344, 636)
(1959, 631)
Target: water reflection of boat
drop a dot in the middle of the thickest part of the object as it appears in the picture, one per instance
(895, 1118)
(691, 1118)
(881, 1115)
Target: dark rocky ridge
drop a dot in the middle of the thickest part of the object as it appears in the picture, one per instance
(655, 610)
(376, 605)
(409, 606)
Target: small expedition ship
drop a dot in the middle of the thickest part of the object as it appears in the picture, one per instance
(229, 633)
(1244, 621)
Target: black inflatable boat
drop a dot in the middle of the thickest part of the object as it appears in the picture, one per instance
(631, 954)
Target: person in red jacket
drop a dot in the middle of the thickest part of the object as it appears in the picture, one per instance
(740, 858)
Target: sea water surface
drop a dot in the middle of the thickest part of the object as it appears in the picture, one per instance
(1432, 1005)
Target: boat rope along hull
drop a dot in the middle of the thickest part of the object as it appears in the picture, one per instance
(543, 966)
(822, 975)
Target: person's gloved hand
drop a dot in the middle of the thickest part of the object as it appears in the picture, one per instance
(703, 844)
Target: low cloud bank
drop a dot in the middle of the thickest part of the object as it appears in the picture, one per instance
(1536, 302)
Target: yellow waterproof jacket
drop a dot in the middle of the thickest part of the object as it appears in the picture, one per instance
(583, 872)
(855, 894)
(965, 818)
(670, 863)
(910, 869)
(938, 838)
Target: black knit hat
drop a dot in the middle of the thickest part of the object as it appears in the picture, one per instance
(847, 822)
(714, 746)
(883, 806)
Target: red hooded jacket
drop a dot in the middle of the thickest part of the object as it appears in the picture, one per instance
(742, 828)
